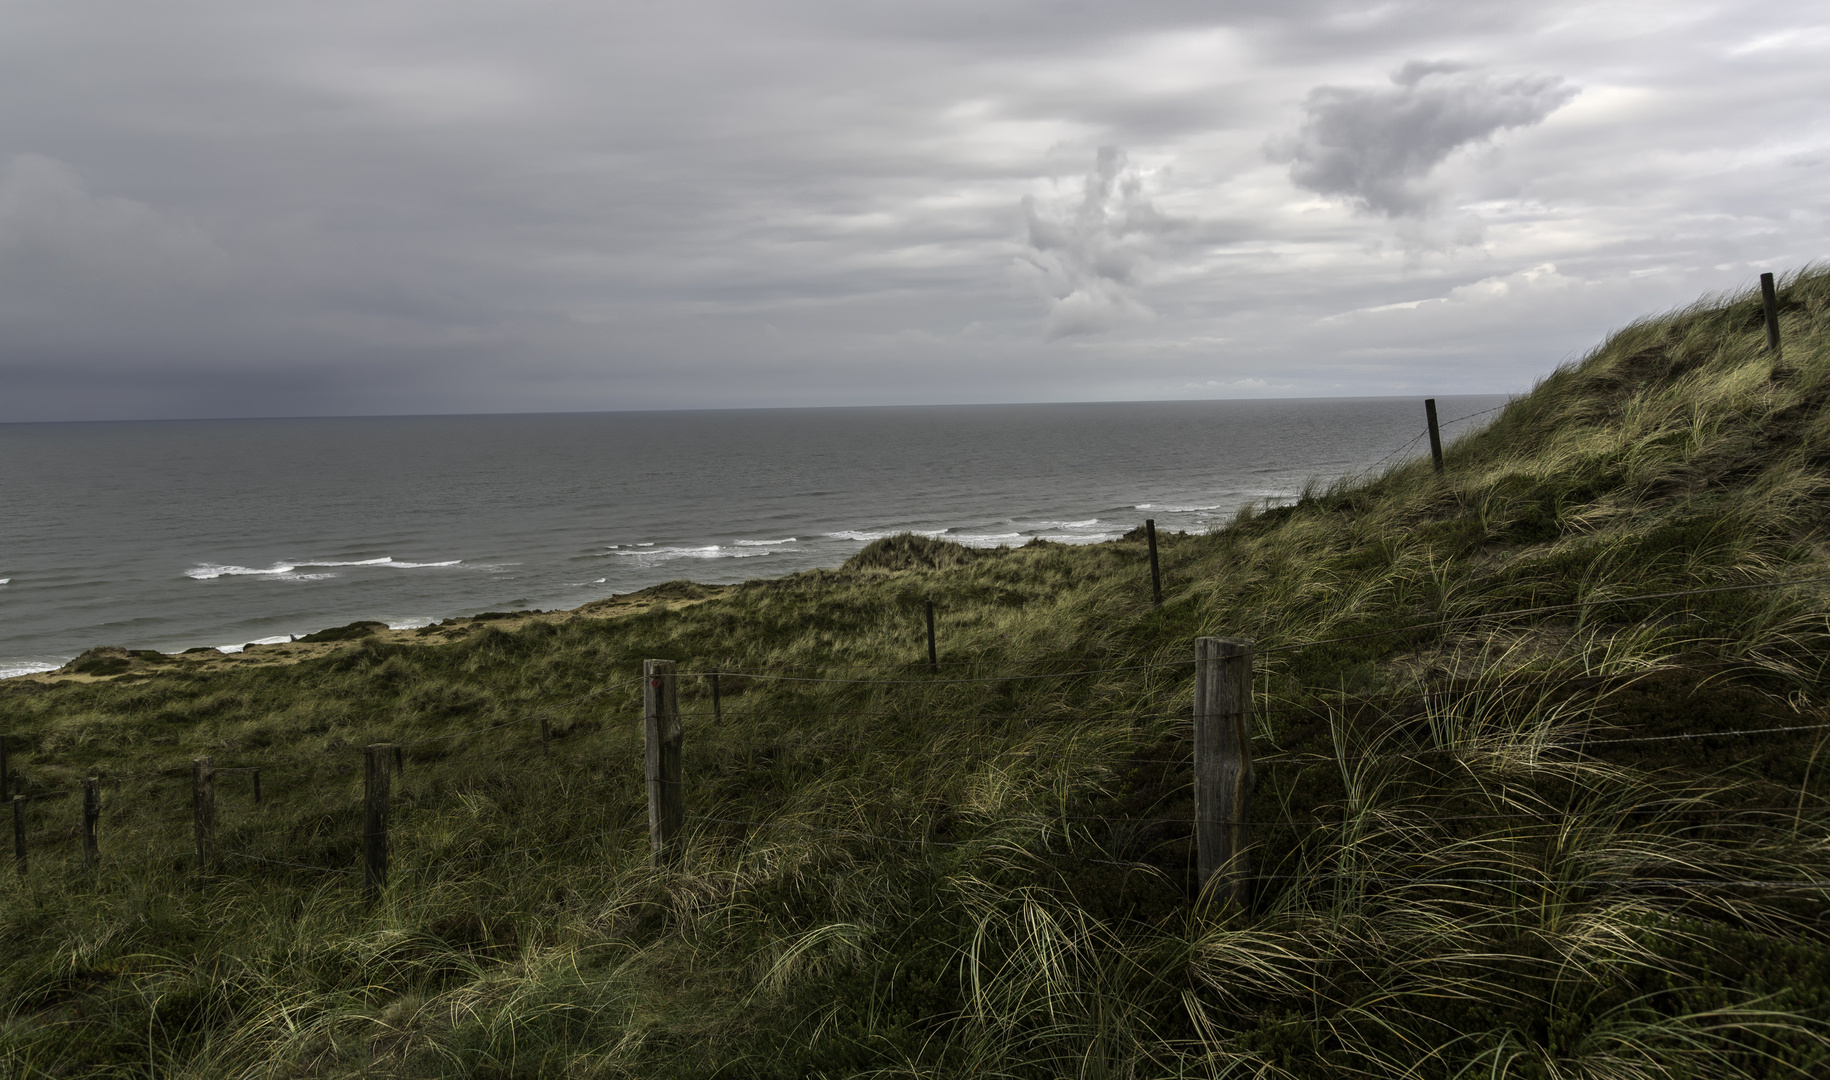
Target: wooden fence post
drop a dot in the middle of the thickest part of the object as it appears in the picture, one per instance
(92, 813)
(1223, 761)
(1429, 413)
(203, 812)
(1769, 302)
(19, 833)
(546, 735)
(1156, 578)
(662, 736)
(717, 707)
(376, 775)
(257, 787)
(933, 657)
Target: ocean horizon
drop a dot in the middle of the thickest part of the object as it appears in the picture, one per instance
(174, 534)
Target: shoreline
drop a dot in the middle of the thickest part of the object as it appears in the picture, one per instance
(113, 663)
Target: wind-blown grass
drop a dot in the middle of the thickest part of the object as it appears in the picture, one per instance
(1462, 867)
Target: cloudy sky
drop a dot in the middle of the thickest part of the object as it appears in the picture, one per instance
(330, 207)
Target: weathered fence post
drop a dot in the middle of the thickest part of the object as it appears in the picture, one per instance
(1156, 578)
(717, 707)
(662, 736)
(1223, 760)
(203, 812)
(546, 735)
(933, 657)
(1769, 302)
(92, 813)
(19, 833)
(1429, 413)
(377, 773)
(257, 787)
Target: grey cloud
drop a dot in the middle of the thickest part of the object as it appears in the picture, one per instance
(63, 246)
(1089, 250)
(446, 205)
(1376, 146)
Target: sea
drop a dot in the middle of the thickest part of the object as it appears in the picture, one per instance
(170, 535)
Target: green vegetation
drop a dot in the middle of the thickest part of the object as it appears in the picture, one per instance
(1463, 870)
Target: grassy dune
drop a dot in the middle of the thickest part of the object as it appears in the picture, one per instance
(1492, 841)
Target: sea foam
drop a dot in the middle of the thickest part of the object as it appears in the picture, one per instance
(10, 669)
(709, 551)
(289, 571)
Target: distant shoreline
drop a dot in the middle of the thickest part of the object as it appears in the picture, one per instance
(116, 663)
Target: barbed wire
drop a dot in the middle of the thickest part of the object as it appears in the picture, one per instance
(860, 834)
(1414, 441)
(762, 677)
(494, 855)
(1315, 826)
(1472, 415)
(1544, 880)
(289, 864)
(1321, 824)
(1540, 610)
(1708, 734)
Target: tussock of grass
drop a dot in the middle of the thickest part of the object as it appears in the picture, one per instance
(1461, 868)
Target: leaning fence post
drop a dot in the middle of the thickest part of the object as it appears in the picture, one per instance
(203, 812)
(377, 771)
(92, 813)
(19, 833)
(662, 736)
(1156, 579)
(1223, 760)
(1769, 302)
(1429, 413)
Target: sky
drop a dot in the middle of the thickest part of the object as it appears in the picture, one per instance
(337, 208)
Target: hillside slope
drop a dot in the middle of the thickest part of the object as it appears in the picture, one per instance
(1521, 811)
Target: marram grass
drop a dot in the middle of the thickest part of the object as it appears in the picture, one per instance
(1487, 844)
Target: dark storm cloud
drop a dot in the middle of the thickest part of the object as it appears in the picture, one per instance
(1376, 146)
(452, 206)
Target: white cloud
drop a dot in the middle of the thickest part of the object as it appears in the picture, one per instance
(1534, 281)
(1090, 250)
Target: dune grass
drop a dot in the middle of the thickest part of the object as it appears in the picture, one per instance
(1465, 865)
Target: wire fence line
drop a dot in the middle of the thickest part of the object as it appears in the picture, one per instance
(289, 864)
(1543, 609)
(1279, 647)
(1425, 698)
(1577, 743)
(1424, 434)
(553, 709)
(1317, 826)
(1396, 817)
